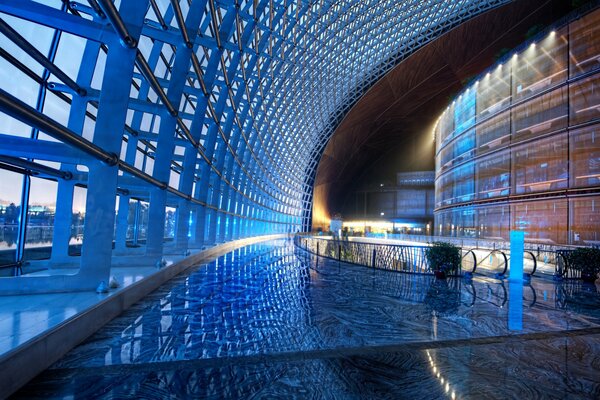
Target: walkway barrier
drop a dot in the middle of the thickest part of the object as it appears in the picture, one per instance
(391, 257)
(469, 262)
(409, 258)
(562, 268)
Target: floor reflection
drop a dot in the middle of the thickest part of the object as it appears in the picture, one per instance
(271, 321)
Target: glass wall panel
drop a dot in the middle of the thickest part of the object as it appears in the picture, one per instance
(493, 175)
(445, 158)
(10, 208)
(493, 92)
(585, 100)
(69, 54)
(77, 220)
(142, 220)
(585, 156)
(542, 65)
(493, 133)
(464, 111)
(584, 46)
(40, 219)
(444, 196)
(585, 220)
(170, 219)
(446, 125)
(436, 132)
(464, 146)
(464, 183)
(464, 219)
(494, 222)
(542, 166)
(541, 115)
(523, 148)
(443, 223)
(542, 221)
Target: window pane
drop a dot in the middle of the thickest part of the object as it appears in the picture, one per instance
(585, 156)
(585, 219)
(493, 175)
(541, 167)
(585, 100)
(493, 133)
(542, 65)
(464, 183)
(493, 92)
(77, 220)
(10, 207)
(542, 221)
(542, 115)
(493, 222)
(584, 44)
(40, 219)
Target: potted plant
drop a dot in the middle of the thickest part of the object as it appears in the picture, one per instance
(587, 261)
(443, 258)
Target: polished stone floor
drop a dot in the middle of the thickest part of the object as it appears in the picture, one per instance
(268, 321)
(22, 321)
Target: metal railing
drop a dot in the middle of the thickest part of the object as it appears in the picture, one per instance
(391, 257)
(411, 258)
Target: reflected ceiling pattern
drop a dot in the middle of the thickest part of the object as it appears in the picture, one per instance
(226, 105)
(272, 321)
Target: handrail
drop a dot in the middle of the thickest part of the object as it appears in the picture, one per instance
(391, 257)
(399, 259)
(474, 261)
(503, 273)
(499, 275)
(534, 259)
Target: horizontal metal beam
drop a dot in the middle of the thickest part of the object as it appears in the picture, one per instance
(34, 168)
(57, 19)
(15, 146)
(30, 116)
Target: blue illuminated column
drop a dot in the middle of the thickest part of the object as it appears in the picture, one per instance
(517, 242)
(102, 178)
(515, 306)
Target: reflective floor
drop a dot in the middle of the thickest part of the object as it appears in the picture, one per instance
(268, 321)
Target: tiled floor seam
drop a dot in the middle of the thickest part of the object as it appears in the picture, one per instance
(317, 354)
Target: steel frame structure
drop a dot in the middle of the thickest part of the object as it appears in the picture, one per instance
(218, 108)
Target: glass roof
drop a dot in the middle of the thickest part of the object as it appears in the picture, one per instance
(224, 104)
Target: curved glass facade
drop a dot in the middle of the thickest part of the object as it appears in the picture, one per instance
(519, 149)
(140, 123)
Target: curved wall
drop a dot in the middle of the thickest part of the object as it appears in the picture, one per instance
(165, 125)
(519, 149)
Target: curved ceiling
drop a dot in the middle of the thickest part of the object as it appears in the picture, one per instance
(226, 105)
(391, 124)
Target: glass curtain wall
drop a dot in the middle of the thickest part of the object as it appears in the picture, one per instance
(522, 141)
